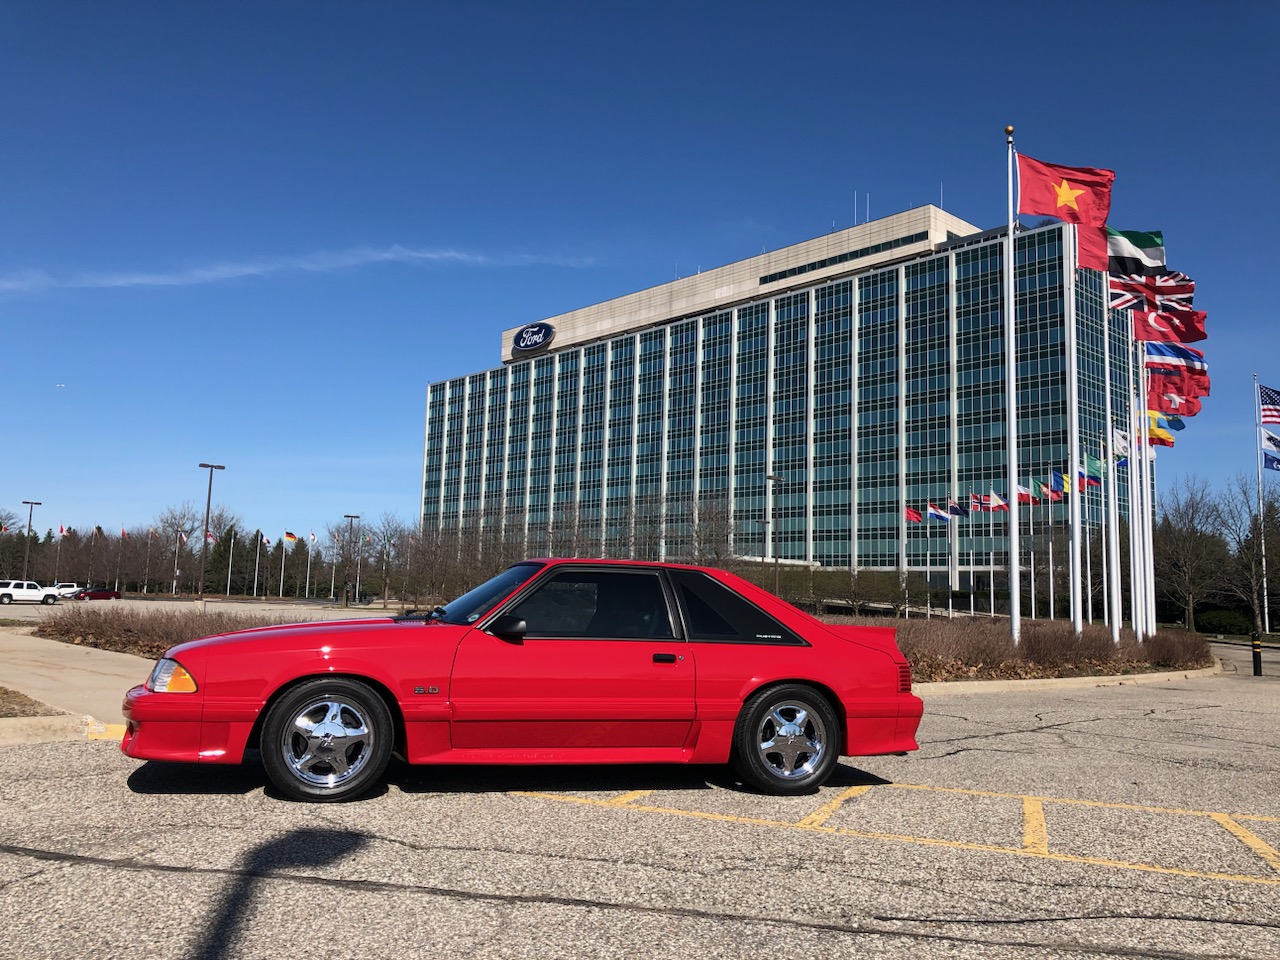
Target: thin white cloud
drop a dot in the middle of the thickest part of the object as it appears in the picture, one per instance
(35, 281)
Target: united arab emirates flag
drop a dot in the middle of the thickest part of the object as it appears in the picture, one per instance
(1134, 253)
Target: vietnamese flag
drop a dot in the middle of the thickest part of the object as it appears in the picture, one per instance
(1079, 195)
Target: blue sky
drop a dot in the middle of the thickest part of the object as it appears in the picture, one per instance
(253, 234)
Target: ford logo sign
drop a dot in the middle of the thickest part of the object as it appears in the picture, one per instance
(533, 336)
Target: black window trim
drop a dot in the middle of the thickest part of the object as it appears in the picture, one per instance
(798, 640)
(549, 570)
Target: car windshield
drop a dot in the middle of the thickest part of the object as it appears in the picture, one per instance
(473, 604)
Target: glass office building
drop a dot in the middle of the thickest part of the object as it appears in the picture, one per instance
(799, 401)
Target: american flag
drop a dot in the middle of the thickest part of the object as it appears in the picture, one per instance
(1270, 404)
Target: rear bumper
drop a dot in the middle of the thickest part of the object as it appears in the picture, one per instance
(883, 726)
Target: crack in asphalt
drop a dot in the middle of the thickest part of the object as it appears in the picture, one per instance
(511, 900)
(1069, 918)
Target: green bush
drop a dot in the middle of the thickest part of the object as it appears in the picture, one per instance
(1226, 622)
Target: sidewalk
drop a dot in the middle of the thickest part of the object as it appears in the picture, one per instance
(87, 684)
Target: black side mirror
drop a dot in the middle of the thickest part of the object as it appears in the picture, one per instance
(510, 628)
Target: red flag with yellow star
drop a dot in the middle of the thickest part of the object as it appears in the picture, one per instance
(1074, 194)
(1079, 195)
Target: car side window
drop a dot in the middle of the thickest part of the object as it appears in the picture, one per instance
(716, 614)
(597, 604)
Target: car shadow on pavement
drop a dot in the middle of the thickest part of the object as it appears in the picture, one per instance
(187, 779)
(588, 778)
(156, 777)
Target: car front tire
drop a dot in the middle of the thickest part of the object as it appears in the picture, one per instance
(327, 740)
(787, 740)
(48, 600)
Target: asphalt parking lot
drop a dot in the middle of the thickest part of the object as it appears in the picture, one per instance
(1134, 821)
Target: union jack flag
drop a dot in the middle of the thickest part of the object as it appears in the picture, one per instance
(1156, 293)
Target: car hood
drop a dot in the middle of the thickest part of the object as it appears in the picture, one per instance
(346, 633)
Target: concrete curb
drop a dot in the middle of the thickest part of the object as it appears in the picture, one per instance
(55, 729)
(964, 687)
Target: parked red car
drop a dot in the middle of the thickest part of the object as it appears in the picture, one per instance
(551, 661)
(96, 593)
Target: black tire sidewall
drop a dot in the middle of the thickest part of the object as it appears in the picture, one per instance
(746, 758)
(359, 695)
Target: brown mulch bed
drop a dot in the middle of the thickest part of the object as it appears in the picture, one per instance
(14, 704)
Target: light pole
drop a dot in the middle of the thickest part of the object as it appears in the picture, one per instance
(208, 502)
(776, 481)
(351, 518)
(26, 555)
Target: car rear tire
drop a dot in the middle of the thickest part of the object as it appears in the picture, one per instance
(5, 598)
(327, 740)
(787, 740)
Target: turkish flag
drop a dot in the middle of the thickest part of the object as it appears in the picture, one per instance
(1169, 326)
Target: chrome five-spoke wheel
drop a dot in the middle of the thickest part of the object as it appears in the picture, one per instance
(327, 740)
(787, 740)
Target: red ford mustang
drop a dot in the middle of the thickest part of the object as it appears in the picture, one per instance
(551, 661)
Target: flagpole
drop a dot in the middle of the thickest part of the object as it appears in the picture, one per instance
(1137, 461)
(1011, 409)
(1262, 525)
(991, 562)
(1048, 503)
(283, 541)
(177, 545)
(231, 555)
(257, 558)
(1088, 558)
(1073, 413)
(1148, 505)
(1114, 606)
(307, 592)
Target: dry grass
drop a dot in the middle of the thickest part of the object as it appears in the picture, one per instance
(145, 633)
(938, 648)
(982, 649)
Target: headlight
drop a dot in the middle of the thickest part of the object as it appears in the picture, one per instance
(169, 676)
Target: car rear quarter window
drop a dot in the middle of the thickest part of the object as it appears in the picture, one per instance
(716, 614)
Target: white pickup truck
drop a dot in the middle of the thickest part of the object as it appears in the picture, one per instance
(29, 590)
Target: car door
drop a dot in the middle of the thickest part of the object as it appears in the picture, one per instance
(599, 666)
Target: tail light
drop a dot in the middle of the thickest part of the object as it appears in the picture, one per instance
(904, 678)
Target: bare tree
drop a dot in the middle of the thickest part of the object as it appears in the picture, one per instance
(1189, 553)
(1235, 519)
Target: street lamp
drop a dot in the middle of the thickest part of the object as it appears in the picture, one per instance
(776, 481)
(351, 518)
(31, 506)
(208, 502)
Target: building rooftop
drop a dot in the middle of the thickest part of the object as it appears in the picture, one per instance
(902, 236)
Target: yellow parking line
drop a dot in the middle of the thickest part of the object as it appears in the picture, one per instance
(928, 841)
(622, 799)
(105, 731)
(1249, 839)
(824, 812)
(1035, 835)
(1069, 801)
